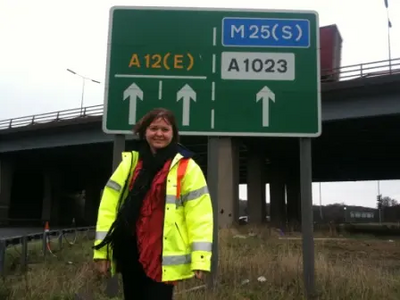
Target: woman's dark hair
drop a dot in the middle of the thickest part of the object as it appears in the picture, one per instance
(147, 119)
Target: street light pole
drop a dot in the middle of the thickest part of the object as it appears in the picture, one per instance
(83, 91)
(83, 84)
(389, 25)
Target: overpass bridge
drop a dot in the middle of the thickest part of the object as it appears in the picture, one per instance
(47, 160)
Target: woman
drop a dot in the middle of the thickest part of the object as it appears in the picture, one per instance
(155, 221)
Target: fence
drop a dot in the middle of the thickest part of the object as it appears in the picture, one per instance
(45, 237)
(60, 235)
(352, 72)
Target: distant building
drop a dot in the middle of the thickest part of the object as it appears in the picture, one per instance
(354, 215)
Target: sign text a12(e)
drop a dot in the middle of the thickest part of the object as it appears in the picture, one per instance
(166, 61)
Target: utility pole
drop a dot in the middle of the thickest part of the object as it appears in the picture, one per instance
(379, 200)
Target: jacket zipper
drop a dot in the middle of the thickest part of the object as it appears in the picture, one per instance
(163, 223)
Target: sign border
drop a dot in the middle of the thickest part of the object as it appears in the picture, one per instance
(209, 9)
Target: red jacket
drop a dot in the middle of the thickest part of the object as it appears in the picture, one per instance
(149, 227)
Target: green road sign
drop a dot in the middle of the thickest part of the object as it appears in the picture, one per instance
(222, 72)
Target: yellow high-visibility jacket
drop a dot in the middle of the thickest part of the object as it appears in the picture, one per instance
(188, 221)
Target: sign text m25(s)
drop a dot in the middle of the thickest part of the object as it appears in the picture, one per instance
(265, 32)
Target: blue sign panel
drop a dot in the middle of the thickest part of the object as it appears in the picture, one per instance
(260, 32)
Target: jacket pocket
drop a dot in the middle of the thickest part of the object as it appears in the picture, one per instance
(180, 235)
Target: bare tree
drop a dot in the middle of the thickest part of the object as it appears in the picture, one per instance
(389, 202)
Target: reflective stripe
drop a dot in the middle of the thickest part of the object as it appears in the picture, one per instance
(195, 194)
(171, 199)
(114, 185)
(176, 260)
(100, 235)
(202, 246)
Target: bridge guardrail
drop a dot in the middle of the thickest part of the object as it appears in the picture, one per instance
(364, 70)
(23, 240)
(351, 72)
(95, 110)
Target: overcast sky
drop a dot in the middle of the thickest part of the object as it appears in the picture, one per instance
(40, 39)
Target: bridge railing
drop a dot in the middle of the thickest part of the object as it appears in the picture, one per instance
(365, 70)
(351, 72)
(95, 110)
(19, 245)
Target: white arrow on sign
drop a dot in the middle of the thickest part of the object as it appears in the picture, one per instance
(133, 92)
(186, 93)
(265, 94)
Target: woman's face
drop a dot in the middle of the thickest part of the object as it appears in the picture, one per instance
(159, 134)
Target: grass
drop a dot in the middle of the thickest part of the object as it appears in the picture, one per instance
(353, 268)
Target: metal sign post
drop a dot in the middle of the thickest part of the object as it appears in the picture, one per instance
(307, 215)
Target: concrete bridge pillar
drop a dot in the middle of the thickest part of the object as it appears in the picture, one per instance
(93, 193)
(293, 196)
(277, 194)
(228, 181)
(51, 197)
(256, 201)
(6, 180)
(47, 197)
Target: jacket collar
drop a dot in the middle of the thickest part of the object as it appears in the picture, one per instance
(185, 152)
